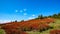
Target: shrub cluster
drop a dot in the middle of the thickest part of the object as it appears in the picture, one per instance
(31, 25)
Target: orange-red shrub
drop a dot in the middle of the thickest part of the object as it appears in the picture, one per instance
(37, 24)
(55, 32)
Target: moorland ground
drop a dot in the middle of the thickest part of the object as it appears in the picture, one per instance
(55, 25)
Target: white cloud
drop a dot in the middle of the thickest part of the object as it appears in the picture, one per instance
(4, 21)
(25, 13)
(30, 18)
(24, 9)
(33, 15)
(16, 11)
(21, 11)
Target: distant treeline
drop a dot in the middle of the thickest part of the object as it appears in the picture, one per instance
(42, 17)
(51, 16)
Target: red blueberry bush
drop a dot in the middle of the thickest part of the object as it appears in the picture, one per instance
(35, 24)
(55, 32)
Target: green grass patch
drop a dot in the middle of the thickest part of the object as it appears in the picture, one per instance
(2, 31)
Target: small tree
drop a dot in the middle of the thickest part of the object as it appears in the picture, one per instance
(49, 16)
(58, 14)
(55, 15)
(40, 17)
(15, 20)
(22, 20)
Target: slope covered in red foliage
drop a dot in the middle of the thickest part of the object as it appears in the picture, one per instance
(34, 24)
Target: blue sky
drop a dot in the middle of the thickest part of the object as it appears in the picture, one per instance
(27, 9)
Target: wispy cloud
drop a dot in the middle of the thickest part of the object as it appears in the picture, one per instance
(25, 13)
(4, 21)
(31, 18)
(33, 15)
(16, 10)
(21, 11)
(25, 9)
